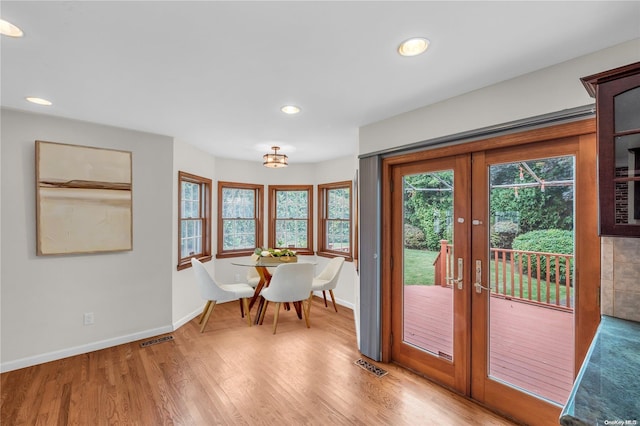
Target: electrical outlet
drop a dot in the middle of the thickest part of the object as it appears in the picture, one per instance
(88, 318)
(237, 278)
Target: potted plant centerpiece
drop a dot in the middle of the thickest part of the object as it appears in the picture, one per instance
(274, 256)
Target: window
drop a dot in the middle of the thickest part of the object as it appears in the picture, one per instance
(239, 218)
(290, 218)
(194, 211)
(334, 216)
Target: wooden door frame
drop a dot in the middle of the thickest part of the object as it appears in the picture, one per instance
(587, 315)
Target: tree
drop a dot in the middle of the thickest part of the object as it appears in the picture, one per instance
(536, 207)
(428, 205)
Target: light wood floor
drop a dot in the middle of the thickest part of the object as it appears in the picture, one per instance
(234, 375)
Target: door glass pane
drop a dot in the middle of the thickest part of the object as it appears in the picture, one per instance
(428, 262)
(531, 276)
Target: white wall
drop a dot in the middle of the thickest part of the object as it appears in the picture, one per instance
(186, 299)
(548, 90)
(1, 180)
(339, 170)
(44, 297)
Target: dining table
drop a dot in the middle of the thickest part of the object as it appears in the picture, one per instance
(265, 278)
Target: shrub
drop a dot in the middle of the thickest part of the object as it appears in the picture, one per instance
(503, 233)
(414, 238)
(437, 225)
(547, 241)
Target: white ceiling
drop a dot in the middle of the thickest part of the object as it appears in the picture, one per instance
(215, 74)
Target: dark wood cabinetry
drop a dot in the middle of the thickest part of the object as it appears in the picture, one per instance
(617, 94)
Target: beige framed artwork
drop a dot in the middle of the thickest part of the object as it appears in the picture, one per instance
(83, 199)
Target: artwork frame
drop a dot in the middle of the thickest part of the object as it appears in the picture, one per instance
(84, 199)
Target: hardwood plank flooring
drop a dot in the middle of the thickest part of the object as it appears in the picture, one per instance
(234, 375)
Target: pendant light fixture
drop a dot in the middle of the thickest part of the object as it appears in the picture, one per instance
(275, 160)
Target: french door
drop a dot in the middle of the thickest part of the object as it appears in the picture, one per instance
(429, 328)
(496, 320)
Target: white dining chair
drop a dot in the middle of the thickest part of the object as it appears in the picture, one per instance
(253, 277)
(327, 280)
(291, 283)
(215, 293)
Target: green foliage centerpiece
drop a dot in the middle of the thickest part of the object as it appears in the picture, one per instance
(272, 256)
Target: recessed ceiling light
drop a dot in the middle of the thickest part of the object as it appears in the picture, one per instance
(8, 29)
(290, 109)
(413, 46)
(38, 101)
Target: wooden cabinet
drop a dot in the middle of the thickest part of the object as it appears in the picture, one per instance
(617, 94)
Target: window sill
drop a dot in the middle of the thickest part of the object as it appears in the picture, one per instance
(347, 257)
(303, 252)
(243, 253)
(187, 264)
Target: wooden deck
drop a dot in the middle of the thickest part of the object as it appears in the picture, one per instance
(531, 347)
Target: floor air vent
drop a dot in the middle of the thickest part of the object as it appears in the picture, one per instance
(156, 341)
(379, 372)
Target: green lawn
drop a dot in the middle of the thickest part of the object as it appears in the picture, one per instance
(418, 266)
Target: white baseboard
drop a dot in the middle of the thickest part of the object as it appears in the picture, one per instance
(82, 349)
(338, 300)
(182, 321)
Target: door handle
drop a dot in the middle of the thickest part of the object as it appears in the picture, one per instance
(478, 284)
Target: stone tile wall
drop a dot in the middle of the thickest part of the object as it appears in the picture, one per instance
(620, 280)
